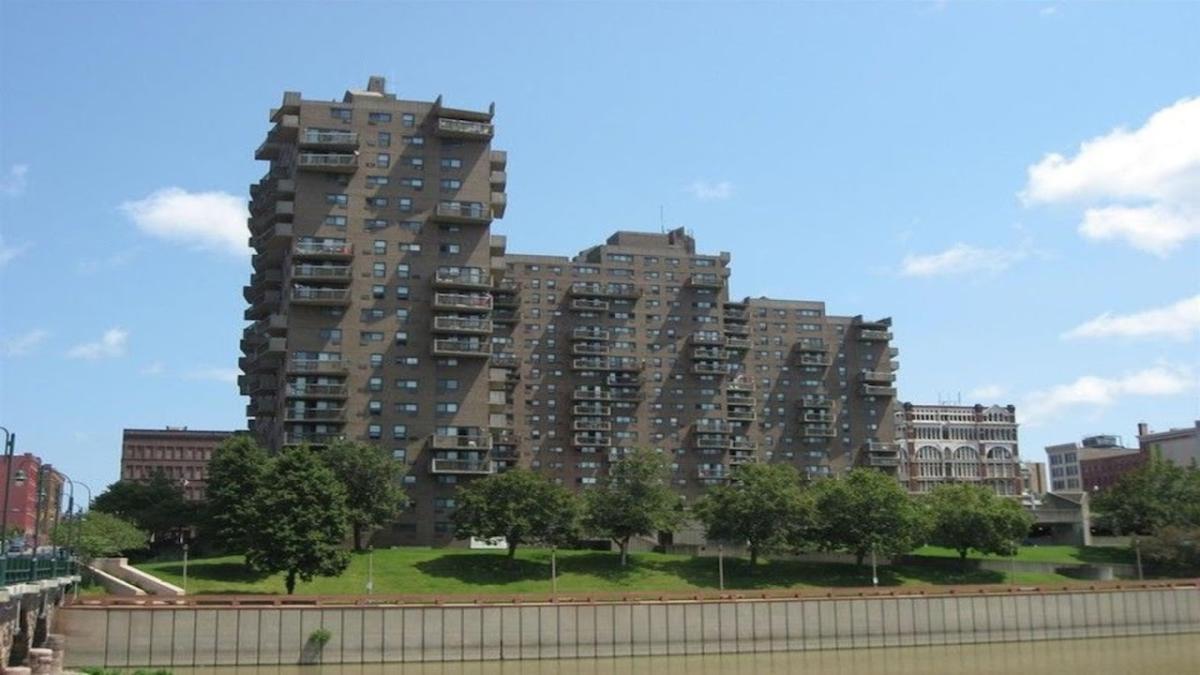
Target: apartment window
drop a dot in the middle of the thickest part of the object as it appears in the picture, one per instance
(445, 385)
(414, 183)
(399, 432)
(375, 384)
(407, 385)
(331, 335)
(414, 249)
(410, 225)
(451, 163)
(369, 336)
(401, 337)
(377, 202)
(403, 270)
(335, 221)
(378, 291)
(407, 408)
(449, 249)
(341, 113)
(337, 199)
(375, 431)
(375, 407)
(375, 223)
(379, 117)
(408, 120)
(385, 139)
(377, 181)
(383, 160)
(402, 315)
(414, 140)
(446, 408)
(379, 270)
(376, 360)
(405, 203)
(379, 247)
(402, 292)
(415, 163)
(451, 184)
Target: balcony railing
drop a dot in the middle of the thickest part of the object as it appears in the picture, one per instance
(589, 334)
(740, 414)
(811, 347)
(334, 366)
(463, 128)
(741, 443)
(738, 398)
(873, 390)
(589, 348)
(591, 394)
(589, 305)
(712, 473)
(711, 426)
(737, 330)
(468, 441)
(470, 466)
(21, 569)
(505, 360)
(706, 280)
(462, 278)
(322, 272)
(461, 348)
(315, 414)
(322, 138)
(298, 390)
(610, 290)
(478, 302)
(587, 409)
(877, 377)
(305, 438)
(874, 335)
(706, 338)
(341, 163)
(816, 403)
(461, 324)
(710, 353)
(710, 368)
(609, 363)
(814, 360)
(323, 249)
(589, 438)
(460, 212)
(736, 315)
(321, 296)
(817, 416)
(591, 424)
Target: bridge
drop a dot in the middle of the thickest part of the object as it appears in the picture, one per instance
(31, 590)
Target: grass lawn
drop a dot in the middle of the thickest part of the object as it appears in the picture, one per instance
(1051, 554)
(465, 572)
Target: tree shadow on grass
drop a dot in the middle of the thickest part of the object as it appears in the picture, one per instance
(484, 570)
(944, 575)
(772, 574)
(232, 572)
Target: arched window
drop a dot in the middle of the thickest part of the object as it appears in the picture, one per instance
(965, 463)
(929, 462)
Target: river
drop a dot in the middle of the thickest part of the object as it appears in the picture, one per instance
(1157, 655)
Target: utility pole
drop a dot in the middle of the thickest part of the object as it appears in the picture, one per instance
(721, 566)
(10, 444)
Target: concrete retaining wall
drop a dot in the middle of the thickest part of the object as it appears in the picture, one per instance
(166, 636)
(120, 568)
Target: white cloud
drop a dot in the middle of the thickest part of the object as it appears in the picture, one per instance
(23, 344)
(707, 191)
(10, 251)
(14, 184)
(1140, 186)
(961, 259)
(110, 345)
(1048, 11)
(1100, 392)
(214, 374)
(153, 368)
(987, 393)
(205, 220)
(1180, 321)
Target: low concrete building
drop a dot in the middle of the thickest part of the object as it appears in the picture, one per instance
(1033, 478)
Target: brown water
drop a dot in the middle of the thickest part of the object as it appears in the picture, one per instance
(1157, 655)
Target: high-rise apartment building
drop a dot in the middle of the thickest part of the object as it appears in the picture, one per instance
(385, 311)
(955, 444)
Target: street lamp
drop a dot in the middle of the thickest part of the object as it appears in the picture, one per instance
(10, 444)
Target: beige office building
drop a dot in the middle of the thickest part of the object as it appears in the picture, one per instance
(386, 311)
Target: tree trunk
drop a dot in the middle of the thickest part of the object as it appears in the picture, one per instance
(290, 581)
(858, 557)
(1137, 550)
(753, 557)
(358, 529)
(512, 549)
(624, 546)
(962, 558)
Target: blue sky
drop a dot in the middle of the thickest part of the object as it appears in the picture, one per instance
(924, 161)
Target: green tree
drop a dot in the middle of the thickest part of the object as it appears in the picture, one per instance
(156, 506)
(519, 505)
(1176, 548)
(236, 473)
(300, 520)
(1149, 498)
(867, 511)
(965, 517)
(634, 500)
(97, 534)
(765, 506)
(372, 480)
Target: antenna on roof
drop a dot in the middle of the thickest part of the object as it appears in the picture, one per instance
(662, 223)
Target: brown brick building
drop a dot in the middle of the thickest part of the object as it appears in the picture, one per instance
(181, 454)
(385, 310)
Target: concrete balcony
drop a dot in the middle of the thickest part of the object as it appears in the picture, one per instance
(481, 467)
(463, 213)
(590, 424)
(740, 414)
(709, 353)
(817, 417)
(278, 236)
(331, 162)
(448, 127)
(710, 368)
(816, 403)
(812, 347)
(589, 439)
(498, 180)
(742, 443)
(263, 213)
(306, 390)
(819, 431)
(820, 360)
(736, 315)
(589, 348)
(589, 334)
(505, 360)
(315, 415)
(505, 316)
(271, 187)
(615, 363)
(588, 305)
(738, 330)
(703, 338)
(319, 367)
(497, 245)
(740, 458)
(506, 299)
(711, 426)
(591, 394)
(874, 390)
(463, 348)
(739, 386)
(462, 324)
(314, 439)
(626, 394)
(322, 139)
(263, 305)
(499, 204)
(877, 377)
(323, 273)
(498, 160)
(739, 398)
(591, 410)
(706, 280)
(466, 441)
(464, 277)
(501, 378)
(874, 335)
(323, 250)
(590, 289)
(463, 302)
(324, 297)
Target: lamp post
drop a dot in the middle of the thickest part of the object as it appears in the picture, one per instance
(37, 509)
(10, 444)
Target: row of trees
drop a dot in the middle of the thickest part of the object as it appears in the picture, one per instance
(1158, 506)
(768, 508)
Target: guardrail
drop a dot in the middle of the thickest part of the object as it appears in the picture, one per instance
(22, 569)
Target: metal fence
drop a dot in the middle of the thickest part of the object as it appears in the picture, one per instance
(21, 569)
